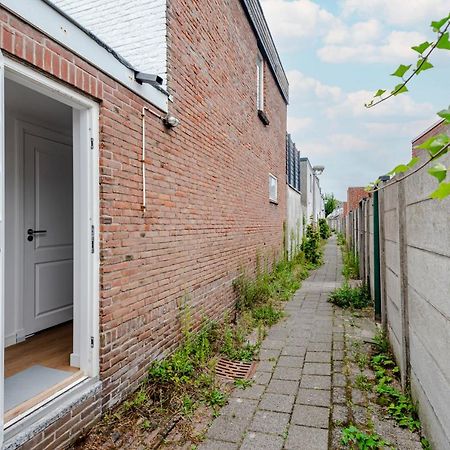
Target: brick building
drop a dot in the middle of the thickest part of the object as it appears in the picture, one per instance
(113, 217)
(437, 128)
(354, 196)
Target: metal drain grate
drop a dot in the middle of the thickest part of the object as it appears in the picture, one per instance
(233, 370)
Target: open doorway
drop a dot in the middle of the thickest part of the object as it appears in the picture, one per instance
(38, 244)
(50, 266)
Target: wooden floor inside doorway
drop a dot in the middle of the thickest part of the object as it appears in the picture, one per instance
(49, 348)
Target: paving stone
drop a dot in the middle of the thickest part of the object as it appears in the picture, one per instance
(262, 441)
(290, 361)
(277, 402)
(287, 387)
(315, 382)
(339, 395)
(306, 438)
(319, 347)
(266, 366)
(338, 366)
(311, 416)
(240, 408)
(293, 350)
(358, 397)
(340, 414)
(338, 345)
(217, 445)
(253, 392)
(262, 377)
(228, 429)
(324, 357)
(287, 373)
(339, 380)
(268, 354)
(269, 422)
(272, 344)
(338, 355)
(317, 369)
(313, 397)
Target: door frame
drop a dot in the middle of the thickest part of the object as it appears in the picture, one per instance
(86, 213)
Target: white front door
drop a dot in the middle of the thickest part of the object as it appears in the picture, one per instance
(48, 231)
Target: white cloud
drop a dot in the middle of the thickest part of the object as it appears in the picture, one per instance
(352, 105)
(398, 12)
(359, 33)
(296, 124)
(296, 21)
(354, 45)
(303, 88)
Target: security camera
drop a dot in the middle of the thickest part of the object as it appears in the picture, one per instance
(148, 78)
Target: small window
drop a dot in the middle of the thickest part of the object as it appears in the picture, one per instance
(260, 83)
(273, 188)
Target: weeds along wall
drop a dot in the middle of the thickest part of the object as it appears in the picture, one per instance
(415, 288)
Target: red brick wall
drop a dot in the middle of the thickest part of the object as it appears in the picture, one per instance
(440, 127)
(354, 196)
(208, 208)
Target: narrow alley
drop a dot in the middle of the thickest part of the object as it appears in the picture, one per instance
(301, 386)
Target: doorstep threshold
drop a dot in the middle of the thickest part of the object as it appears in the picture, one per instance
(31, 422)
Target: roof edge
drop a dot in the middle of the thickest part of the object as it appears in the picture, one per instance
(266, 44)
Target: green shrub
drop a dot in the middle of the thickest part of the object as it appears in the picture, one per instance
(351, 265)
(324, 229)
(351, 297)
(311, 245)
(341, 239)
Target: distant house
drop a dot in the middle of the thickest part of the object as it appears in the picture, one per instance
(312, 199)
(437, 128)
(144, 150)
(294, 208)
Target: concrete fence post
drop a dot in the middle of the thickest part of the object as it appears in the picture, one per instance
(382, 238)
(403, 276)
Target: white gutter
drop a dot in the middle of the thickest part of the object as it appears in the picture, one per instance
(42, 16)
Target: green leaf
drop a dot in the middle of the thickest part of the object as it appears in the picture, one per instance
(399, 89)
(442, 191)
(398, 169)
(421, 47)
(437, 25)
(444, 42)
(445, 114)
(435, 144)
(413, 162)
(423, 64)
(380, 92)
(438, 171)
(401, 70)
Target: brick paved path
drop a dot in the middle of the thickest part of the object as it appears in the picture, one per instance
(289, 405)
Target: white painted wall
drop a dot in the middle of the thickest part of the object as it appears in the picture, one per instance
(306, 187)
(294, 220)
(135, 29)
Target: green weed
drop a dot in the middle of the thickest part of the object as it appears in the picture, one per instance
(351, 297)
(242, 383)
(351, 264)
(363, 383)
(353, 437)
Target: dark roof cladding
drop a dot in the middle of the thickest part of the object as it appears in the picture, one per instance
(266, 44)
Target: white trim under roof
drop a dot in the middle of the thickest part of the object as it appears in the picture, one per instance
(64, 31)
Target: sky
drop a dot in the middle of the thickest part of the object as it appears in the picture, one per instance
(336, 54)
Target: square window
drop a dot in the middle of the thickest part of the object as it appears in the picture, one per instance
(273, 188)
